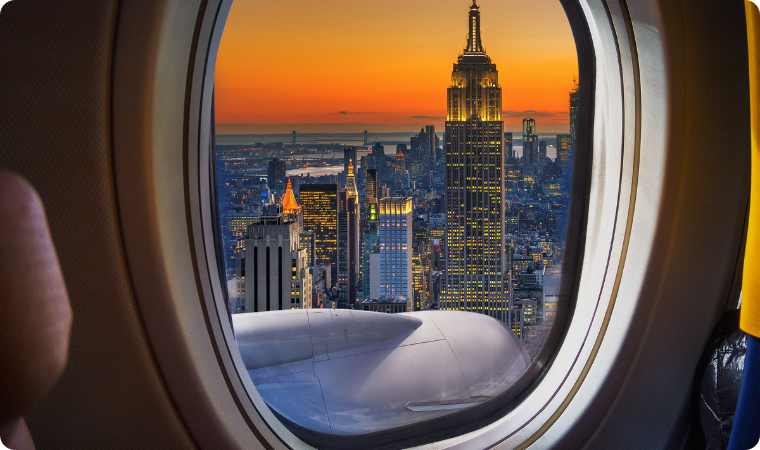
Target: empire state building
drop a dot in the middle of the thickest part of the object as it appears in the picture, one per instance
(474, 184)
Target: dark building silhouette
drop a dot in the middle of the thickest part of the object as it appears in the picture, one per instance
(348, 249)
(276, 172)
(530, 144)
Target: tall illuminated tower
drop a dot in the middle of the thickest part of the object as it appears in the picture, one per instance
(319, 204)
(574, 109)
(395, 248)
(474, 183)
(351, 189)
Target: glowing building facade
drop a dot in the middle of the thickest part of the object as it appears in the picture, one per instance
(474, 183)
(395, 247)
(565, 151)
(319, 204)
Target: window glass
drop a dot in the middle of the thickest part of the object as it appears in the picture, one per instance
(406, 188)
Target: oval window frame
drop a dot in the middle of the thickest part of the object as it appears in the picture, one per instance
(174, 46)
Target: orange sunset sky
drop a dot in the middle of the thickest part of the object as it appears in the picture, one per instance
(345, 66)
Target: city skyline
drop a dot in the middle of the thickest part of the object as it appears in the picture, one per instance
(464, 223)
(387, 78)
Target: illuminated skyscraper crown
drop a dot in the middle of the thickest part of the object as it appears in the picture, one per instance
(351, 182)
(474, 91)
(289, 203)
(473, 43)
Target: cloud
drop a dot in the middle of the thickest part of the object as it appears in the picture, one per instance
(428, 117)
(531, 113)
(345, 113)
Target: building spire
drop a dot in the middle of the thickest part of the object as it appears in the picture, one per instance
(289, 203)
(351, 181)
(473, 42)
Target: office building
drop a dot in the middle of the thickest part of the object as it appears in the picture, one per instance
(378, 151)
(474, 183)
(420, 264)
(423, 156)
(530, 144)
(370, 243)
(276, 172)
(395, 225)
(319, 206)
(512, 177)
(370, 188)
(542, 152)
(348, 249)
(235, 224)
(370, 271)
(433, 143)
(306, 240)
(574, 110)
(275, 272)
(508, 151)
(400, 169)
(564, 152)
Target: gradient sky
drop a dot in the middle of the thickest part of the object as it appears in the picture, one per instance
(345, 66)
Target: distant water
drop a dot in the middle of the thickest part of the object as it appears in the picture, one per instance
(341, 138)
(551, 152)
(316, 138)
(389, 140)
(314, 171)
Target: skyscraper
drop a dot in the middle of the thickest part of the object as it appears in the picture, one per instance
(370, 245)
(419, 170)
(378, 151)
(274, 270)
(512, 177)
(574, 109)
(432, 147)
(508, 145)
(530, 143)
(349, 158)
(371, 186)
(400, 168)
(276, 172)
(564, 151)
(395, 222)
(319, 205)
(351, 189)
(542, 152)
(348, 248)
(474, 182)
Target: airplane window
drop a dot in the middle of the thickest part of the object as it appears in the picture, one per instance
(394, 227)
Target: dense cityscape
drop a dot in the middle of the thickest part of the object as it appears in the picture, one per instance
(471, 219)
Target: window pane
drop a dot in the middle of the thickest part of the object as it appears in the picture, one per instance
(424, 206)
